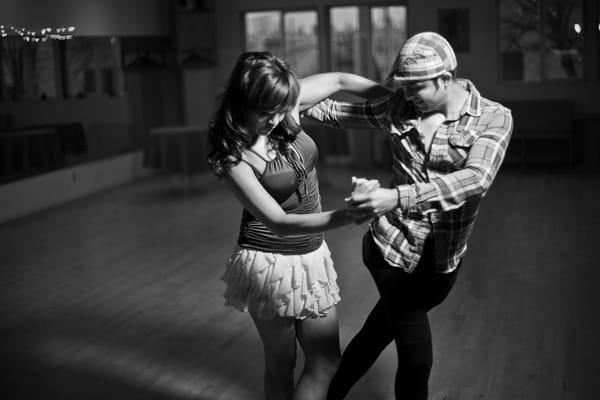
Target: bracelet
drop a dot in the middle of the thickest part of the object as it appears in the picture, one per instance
(399, 197)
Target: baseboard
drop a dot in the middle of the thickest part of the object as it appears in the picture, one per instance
(27, 196)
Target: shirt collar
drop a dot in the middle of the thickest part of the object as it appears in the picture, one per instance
(473, 104)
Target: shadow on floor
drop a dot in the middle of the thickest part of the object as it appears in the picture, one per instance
(82, 355)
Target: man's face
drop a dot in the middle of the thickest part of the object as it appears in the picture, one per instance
(427, 95)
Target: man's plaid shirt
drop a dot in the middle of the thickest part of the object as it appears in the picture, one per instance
(439, 190)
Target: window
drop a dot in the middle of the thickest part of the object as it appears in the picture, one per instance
(93, 66)
(362, 39)
(345, 40)
(50, 68)
(302, 41)
(292, 36)
(388, 33)
(541, 40)
(28, 69)
(263, 32)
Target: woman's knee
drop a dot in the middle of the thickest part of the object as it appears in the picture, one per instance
(280, 363)
(279, 343)
(323, 365)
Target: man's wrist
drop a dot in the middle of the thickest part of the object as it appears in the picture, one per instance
(407, 196)
(398, 197)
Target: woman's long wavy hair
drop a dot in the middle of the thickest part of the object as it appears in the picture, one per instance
(262, 83)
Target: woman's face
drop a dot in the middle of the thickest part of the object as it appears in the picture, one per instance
(262, 123)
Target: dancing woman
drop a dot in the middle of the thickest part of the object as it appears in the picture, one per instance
(281, 271)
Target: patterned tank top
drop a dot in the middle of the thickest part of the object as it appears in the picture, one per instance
(294, 195)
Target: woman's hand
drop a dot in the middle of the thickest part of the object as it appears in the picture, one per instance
(365, 206)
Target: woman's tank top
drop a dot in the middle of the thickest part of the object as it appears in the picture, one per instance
(295, 197)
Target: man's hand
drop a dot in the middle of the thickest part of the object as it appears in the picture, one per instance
(360, 186)
(365, 206)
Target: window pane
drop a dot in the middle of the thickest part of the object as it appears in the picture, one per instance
(81, 76)
(45, 71)
(92, 65)
(28, 69)
(263, 32)
(107, 55)
(345, 40)
(562, 26)
(520, 40)
(301, 42)
(388, 32)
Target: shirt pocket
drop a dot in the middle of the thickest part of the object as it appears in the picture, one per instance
(459, 145)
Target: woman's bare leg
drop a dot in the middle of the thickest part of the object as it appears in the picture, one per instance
(319, 339)
(278, 336)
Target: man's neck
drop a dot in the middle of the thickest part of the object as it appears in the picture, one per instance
(455, 101)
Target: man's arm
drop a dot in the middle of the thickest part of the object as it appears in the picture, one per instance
(373, 113)
(450, 191)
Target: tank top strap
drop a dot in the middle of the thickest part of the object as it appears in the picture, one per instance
(258, 155)
(256, 171)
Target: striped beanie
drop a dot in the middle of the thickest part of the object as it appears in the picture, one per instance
(425, 55)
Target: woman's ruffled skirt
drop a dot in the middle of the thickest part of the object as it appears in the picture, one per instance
(273, 284)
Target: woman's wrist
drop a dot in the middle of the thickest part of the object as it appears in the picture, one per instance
(342, 217)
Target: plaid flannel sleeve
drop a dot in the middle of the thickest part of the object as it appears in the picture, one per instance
(450, 191)
(372, 113)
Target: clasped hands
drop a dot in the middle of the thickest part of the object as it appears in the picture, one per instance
(368, 200)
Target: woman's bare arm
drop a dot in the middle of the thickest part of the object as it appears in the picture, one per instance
(318, 87)
(260, 203)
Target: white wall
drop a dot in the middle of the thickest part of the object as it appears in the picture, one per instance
(198, 95)
(90, 17)
(34, 194)
(91, 109)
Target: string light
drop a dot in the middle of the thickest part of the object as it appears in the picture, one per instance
(35, 37)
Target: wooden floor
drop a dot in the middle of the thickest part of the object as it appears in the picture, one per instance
(117, 296)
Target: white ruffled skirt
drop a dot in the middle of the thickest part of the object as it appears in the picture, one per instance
(273, 284)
